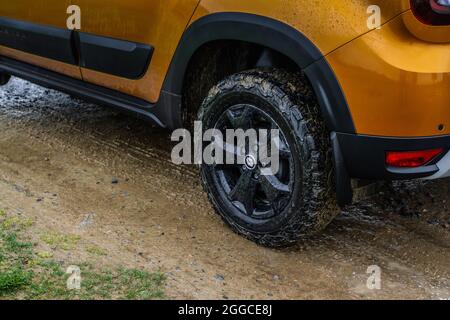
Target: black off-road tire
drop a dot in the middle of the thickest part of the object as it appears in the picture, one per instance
(289, 99)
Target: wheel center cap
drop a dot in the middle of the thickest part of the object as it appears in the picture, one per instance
(250, 162)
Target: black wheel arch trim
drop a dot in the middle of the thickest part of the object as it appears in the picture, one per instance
(275, 35)
(330, 96)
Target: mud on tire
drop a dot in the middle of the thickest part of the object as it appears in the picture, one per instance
(288, 99)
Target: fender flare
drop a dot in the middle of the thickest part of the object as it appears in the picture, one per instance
(275, 35)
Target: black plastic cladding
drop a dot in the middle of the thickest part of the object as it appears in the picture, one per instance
(112, 56)
(50, 42)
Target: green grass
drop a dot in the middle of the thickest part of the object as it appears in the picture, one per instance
(14, 255)
(28, 274)
(14, 279)
(60, 241)
(15, 222)
(96, 251)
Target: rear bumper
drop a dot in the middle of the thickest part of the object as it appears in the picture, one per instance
(365, 156)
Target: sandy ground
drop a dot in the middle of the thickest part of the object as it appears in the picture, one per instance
(59, 157)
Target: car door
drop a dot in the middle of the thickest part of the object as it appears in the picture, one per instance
(35, 31)
(128, 45)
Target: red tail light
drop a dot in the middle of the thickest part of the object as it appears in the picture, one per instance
(411, 159)
(432, 12)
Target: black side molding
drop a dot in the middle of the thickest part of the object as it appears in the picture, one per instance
(44, 41)
(272, 34)
(112, 56)
(116, 57)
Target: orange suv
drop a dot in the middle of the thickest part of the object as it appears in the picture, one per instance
(358, 89)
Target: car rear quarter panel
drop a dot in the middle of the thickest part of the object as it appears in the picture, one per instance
(328, 24)
(395, 84)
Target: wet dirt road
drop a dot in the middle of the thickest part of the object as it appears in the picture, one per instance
(59, 161)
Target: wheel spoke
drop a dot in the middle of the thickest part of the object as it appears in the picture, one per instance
(244, 191)
(276, 192)
(229, 151)
(263, 196)
(228, 148)
(241, 121)
(273, 187)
